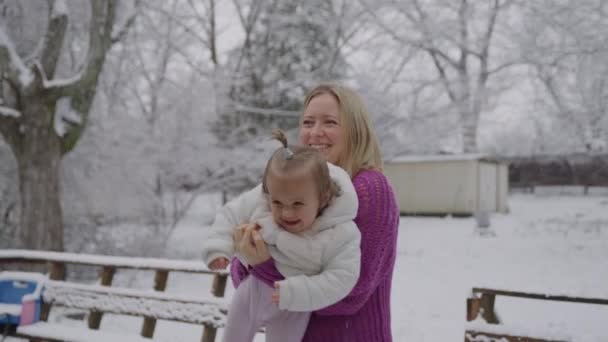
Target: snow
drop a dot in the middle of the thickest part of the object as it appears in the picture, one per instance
(10, 309)
(9, 112)
(65, 116)
(25, 76)
(143, 303)
(101, 260)
(60, 8)
(79, 334)
(62, 82)
(57, 288)
(551, 244)
(546, 244)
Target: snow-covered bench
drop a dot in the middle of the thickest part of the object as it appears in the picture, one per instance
(123, 301)
(104, 298)
(484, 324)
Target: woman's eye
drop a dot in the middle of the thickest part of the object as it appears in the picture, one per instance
(307, 123)
(298, 204)
(277, 203)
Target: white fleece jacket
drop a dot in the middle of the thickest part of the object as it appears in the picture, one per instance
(321, 265)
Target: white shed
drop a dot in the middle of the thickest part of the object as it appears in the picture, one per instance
(449, 184)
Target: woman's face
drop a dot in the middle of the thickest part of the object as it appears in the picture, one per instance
(321, 127)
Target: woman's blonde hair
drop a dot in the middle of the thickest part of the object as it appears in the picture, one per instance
(362, 148)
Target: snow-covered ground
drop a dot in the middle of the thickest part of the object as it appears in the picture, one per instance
(553, 244)
(556, 244)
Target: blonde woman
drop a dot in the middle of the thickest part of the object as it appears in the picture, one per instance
(335, 121)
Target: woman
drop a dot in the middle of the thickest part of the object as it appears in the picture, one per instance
(336, 122)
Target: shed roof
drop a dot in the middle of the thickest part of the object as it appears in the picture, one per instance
(442, 158)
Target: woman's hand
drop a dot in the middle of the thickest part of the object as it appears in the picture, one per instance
(249, 244)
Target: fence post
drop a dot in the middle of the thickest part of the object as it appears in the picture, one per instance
(160, 283)
(56, 272)
(106, 275)
(473, 305)
(218, 289)
(487, 304)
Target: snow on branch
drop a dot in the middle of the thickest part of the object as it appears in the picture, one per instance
(7, 111)
(23, 73)
(60, 82)
(60, 8)
(65, 116)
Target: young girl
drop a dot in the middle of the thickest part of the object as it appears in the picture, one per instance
(305, 209)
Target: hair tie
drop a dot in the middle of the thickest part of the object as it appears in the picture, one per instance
(287, 153)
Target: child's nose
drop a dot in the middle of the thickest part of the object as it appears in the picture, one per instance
(288, 213)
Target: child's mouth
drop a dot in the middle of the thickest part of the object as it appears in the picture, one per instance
(290, 223)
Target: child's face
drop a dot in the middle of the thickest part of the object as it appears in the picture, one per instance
(293, 200)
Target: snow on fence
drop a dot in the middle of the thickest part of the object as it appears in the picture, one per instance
(484, 324)
(151, 305)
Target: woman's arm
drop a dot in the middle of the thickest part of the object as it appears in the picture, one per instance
(378, 220)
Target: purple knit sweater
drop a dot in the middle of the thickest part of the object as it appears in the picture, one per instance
(364, 315)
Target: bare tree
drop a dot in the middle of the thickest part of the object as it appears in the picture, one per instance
(457, 40)
(44, 116)
(565, 45)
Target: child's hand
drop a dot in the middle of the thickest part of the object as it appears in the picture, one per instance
(219, 264)
(276, 295)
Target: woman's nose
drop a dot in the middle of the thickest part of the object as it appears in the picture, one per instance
(316, 130)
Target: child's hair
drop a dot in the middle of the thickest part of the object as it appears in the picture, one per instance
(288, 159)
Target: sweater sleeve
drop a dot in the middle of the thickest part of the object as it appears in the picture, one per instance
(266, 272)
(238, 272)
(377, 219)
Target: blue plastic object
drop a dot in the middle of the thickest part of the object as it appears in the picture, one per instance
(20, 296)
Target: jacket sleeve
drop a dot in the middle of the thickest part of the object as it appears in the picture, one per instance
(338, 277)
(378, 221)
(219, 241)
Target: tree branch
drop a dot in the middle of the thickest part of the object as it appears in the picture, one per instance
(443, 76)
(103, 14)
(180, 23)
(13, 67)
(9, 127)
(121, 32)
(52, 41)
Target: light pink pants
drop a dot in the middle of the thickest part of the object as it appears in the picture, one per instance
(252, 308)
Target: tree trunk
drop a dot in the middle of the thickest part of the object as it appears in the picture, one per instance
(469, 132)
(38, 160)
(469, 115)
